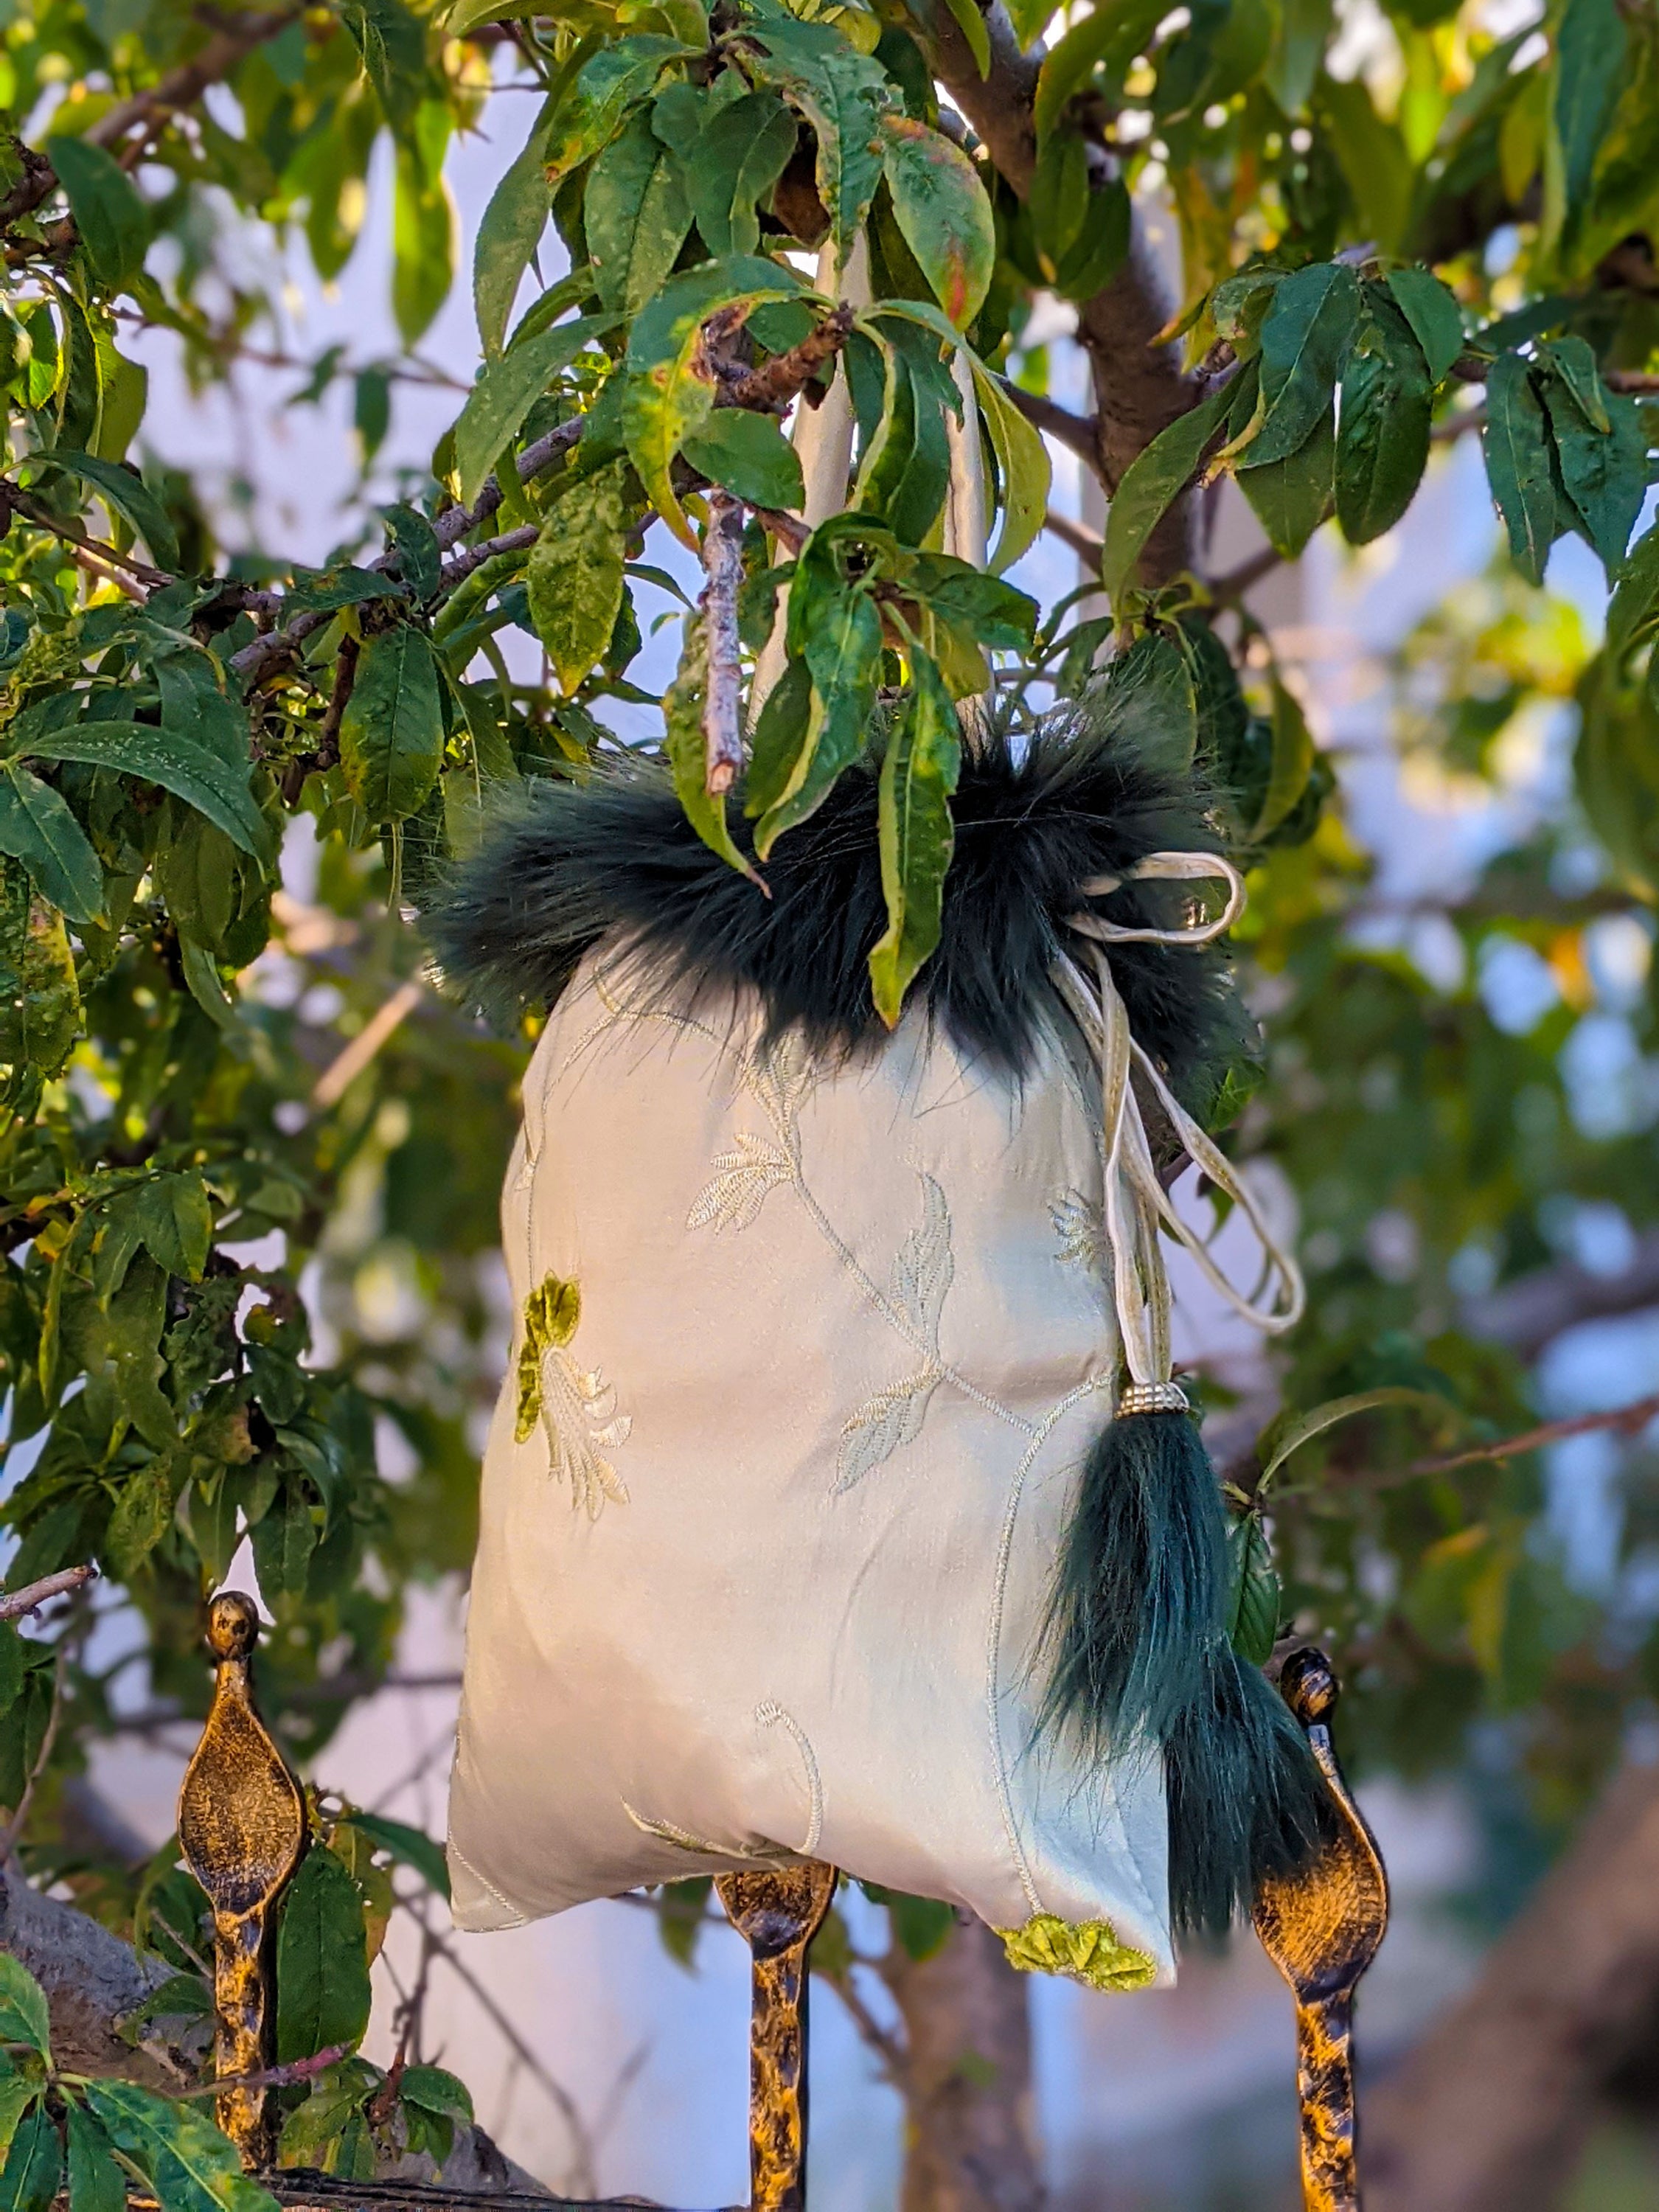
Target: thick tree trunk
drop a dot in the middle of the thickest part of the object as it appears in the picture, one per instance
(971, 2144)
(1491, 2110)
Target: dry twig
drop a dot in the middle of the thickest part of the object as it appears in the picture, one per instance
(722, 707)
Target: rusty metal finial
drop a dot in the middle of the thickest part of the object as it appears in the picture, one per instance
(777, 1913)
(241, 1830)
(1321, 1928)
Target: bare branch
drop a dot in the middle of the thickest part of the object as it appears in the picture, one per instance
(1535, 1308)
(1625, 1420)
(337, 1077)
(1081, 432)
(15, 1604)
(1083, 543)
(465, 564)
(1139, 385)
(182, 87)
(722, 709)
(266, 655)
(273, 2077)
(37, 512)
(1228, 590)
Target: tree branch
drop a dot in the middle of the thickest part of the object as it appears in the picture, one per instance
(15, 1605)
(1083, 543)
(1140, 388)
(1081, 432)
(1626, 1420)
(262, 658)
(768, 390)
(181, 87)
(722, 705)
(1537, 1308)
(1489, 2109)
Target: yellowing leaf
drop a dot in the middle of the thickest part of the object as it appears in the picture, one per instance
(943, 213)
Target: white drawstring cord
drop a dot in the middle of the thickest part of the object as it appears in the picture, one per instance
(1136, 1203)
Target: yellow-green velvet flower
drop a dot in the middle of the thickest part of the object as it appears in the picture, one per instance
(1086, 1952)
(551, 1314)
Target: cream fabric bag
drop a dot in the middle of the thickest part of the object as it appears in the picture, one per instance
(770, 1526)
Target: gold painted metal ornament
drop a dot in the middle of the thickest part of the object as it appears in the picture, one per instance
(241, 1830)
(1321, 1929)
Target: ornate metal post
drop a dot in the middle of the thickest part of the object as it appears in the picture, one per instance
(1321, 1929)
(778, 1914)
(241, 1829)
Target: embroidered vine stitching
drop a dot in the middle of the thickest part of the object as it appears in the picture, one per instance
(924, 1268)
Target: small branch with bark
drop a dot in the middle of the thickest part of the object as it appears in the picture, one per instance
(19, 1605)
(722, 707)
(769, 389)
(1081, 433)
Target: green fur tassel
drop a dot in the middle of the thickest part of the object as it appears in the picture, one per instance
(1139, 1654)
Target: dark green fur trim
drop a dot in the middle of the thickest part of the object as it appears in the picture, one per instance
(614, 857)
(1138, 1653)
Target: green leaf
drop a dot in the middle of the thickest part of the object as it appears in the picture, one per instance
(111, 217)
(11, 1670)
(190, 2165)
(670, 392)
(1253, 1596)
(509, 388)
(1290, 1430)
(1519, 464)
(151, 756)
(392, 734)
(942, 209)
(1633, 614)
(843, 94)
(1591, 46)
(1305, 337)
(687, 753)
(997, 614)
(24, 2017)
(322, 1966)
(1111, 35)
(96, 2183)
(1058, 198)
(1604, 472)
(508, 236)
(1153, 480)
(1023, 466)
(621, 74)
(1376, 167)
(1572, 361)
(970, 21)
(392, 42)
(412, 1847)
(739, 154)
(574, 575)
(1382, 443)
(905, 474)
(919, 774)
(431, 2089)
(39, 997)
(125, 491)
(835, 628)
(33, 2171)
(1304, 27)
(749, 455)
(17, 2093)
(635, 214)
(37, 828)
(424, 230)
(1293, 763)
(1103, 245)
(285, 1539)
(1436, 319)
(143, 1515)
(1292, 497)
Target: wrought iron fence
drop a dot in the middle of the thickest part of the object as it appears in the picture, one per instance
(242, 1830)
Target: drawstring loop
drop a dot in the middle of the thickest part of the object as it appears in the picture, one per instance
(1137, 1206)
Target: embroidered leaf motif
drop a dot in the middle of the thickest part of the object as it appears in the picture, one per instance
(735, 1193)
(1081, 1231)
(577, 1410)
(923, 1270)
